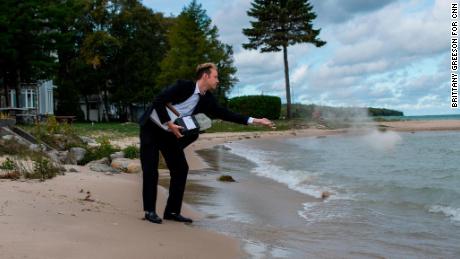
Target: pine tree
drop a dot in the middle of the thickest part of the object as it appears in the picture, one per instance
(278, 24)
(193, 40)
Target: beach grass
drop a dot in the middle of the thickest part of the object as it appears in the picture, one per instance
(114, 130)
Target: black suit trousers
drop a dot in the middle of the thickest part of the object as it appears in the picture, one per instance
(155, 140)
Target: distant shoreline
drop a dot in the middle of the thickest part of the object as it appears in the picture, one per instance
(209, 140)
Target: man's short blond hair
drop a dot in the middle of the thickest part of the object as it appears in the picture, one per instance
(204, 68)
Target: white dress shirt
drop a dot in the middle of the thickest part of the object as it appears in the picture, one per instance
(187, 107)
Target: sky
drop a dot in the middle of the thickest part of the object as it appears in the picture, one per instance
(391, 54)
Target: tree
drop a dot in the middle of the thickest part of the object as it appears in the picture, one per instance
(142, 35)
(193, 40)
(99, 48)
(280, 23)
(25, 53)
(68, 20)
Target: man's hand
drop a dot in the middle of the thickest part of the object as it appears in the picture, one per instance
(175, 129)
(264, 122)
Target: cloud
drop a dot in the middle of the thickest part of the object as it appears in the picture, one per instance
(386, 53)
(339, 11)
(231, 18)
(375, 64)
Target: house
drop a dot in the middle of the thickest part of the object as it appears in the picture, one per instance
(94, 110)
(35, 99)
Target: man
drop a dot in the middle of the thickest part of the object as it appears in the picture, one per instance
(188, 98)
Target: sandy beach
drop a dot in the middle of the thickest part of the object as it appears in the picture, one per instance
(52, 219)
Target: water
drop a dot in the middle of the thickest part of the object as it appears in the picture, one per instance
(422, 117)
(393, 195)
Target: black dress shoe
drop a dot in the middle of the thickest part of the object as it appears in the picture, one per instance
(152, 217)
(177, 217)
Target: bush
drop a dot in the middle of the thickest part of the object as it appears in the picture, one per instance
(14, 148)
(260, 106)
(11, 170)
(105, 149)
(8, 164)
(43, 169)
(60, 136)
(131, 152)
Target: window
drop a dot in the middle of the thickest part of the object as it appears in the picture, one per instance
(27, 99)
(28, 95)
(50, 102)
(12, 98)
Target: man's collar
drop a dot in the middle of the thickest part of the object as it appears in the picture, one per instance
(197, 90)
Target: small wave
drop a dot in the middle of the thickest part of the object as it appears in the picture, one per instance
(298, 180)
(452, 213)
(323, 212)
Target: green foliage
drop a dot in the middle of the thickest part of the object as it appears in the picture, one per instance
(131, 152)
(193, 40)
(142, 35)
(14, 148)
(106, 51)
(224, 126)
(43, 170)
(384, 112)
(281, 23)
(278, 24)
(116, 130)
(9, 170)
(61, 136)
(25, 53)
(105, 149)
(306, 111)
(259, 106)
(8, 164)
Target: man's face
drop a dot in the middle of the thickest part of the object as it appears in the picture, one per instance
(212, 80)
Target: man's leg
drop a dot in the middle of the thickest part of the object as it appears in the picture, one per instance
(149, 162)
(178, 169)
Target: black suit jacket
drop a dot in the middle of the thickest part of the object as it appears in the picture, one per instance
(181, 91)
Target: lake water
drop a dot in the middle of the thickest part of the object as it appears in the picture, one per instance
(392, 195)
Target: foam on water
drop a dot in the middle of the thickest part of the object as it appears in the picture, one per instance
(452, 213)
(298, 180)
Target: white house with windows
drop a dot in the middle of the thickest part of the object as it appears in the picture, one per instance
(34, 99)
